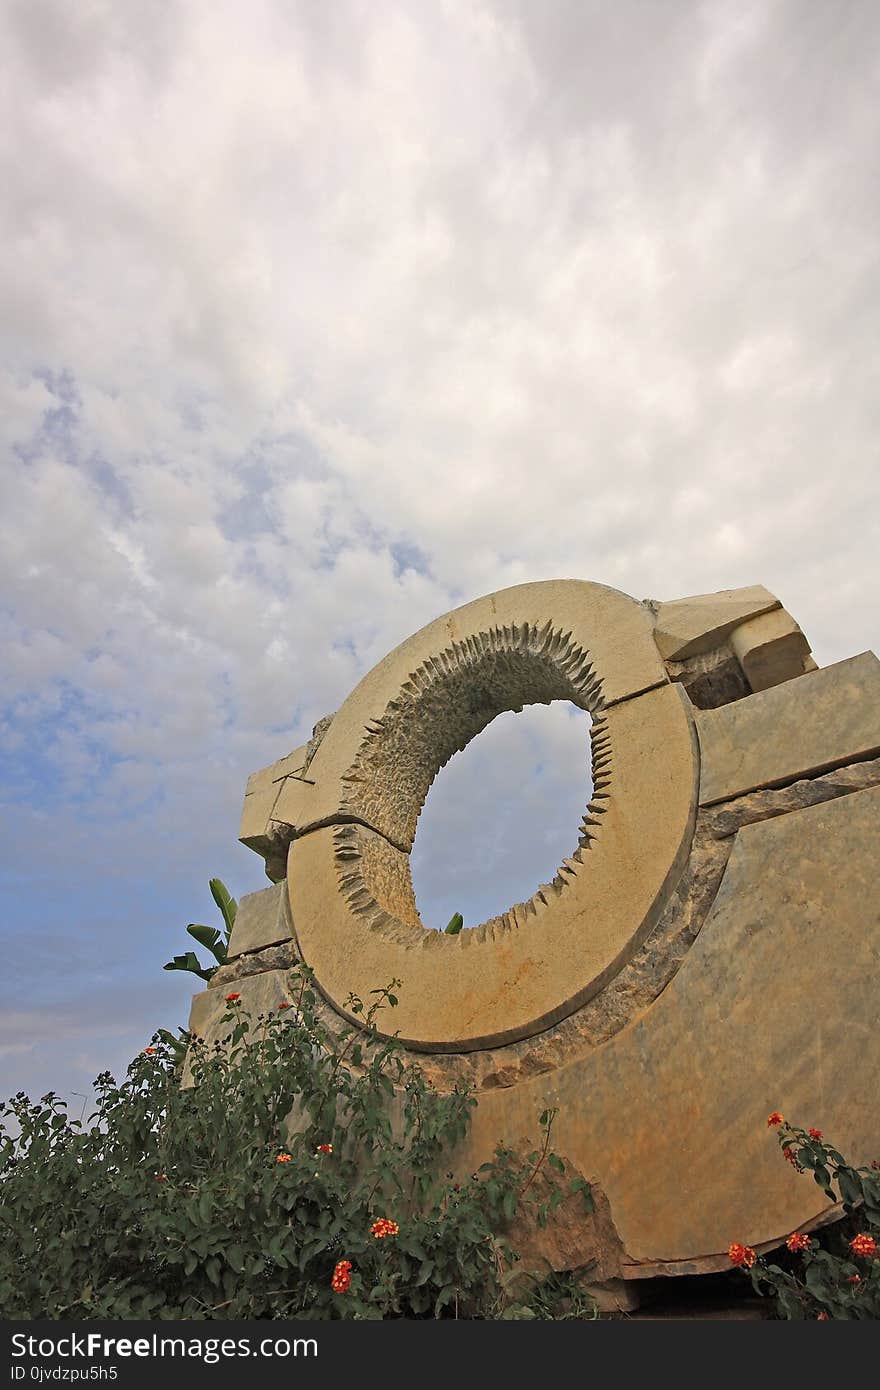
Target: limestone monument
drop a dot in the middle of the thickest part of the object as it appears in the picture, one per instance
(709, 951)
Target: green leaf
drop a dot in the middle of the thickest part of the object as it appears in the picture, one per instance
(189, 962)
(226, 903)
(850, 1187)
(211, 938)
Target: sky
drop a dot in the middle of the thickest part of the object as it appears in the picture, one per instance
(318, 320)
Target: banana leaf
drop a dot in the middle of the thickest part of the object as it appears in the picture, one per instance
(211, 938)
(226, 903)
(190, 962)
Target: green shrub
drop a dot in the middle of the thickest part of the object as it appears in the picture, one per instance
(839, 1276)
(206, 1201)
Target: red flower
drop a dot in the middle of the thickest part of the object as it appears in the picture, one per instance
(160, 1177)
(341, 1281)
(232, 998)
(823, 1317)
(148, 1051)
(792, 1159)
(743, 1256)
(798, 1242)
(383, 1227)
(283, 1158)
(863, 1245)
(325, 1149)
(776, 1118)
(854, 1279)
(285, 1004)
(815, 1133)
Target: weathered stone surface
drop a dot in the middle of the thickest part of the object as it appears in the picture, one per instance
(281, 957)
(536, 963)
(534, 643)
(262, 919)
(819, 721)
(560, 1243)
(275, 772)
(771, 649)
(729, 816)
(687, 626)
(260, 994)
(711, 678)
(647, 974)
(775, 1006)
(262, 793)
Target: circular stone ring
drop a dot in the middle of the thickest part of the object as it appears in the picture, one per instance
(351, 896)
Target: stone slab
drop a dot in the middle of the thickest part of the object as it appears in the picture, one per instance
(261, 795)
(277, 771)
(256, 813)
(687, 626)
(817, 722)
(776, 1006)
(262, 919)
(770, 649)
(260, 994)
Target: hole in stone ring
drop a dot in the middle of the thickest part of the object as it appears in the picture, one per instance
(503, 814)
(443, 705)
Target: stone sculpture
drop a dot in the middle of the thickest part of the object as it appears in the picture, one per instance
(709, 952)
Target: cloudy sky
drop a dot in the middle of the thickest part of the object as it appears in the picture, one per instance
(319, 319)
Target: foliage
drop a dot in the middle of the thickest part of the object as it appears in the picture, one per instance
(212, 938)
(837, 1279)
(303, 1175)
(454, 925)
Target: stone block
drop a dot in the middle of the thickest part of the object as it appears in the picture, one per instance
(277, 771)
(256, 814)
(262, 919)
(774, 1007)
(806, 726)
(263, 788)
(688, 626)
(259, 994)
(770, 649)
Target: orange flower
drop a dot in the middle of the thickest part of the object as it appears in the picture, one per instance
(815, 1133)
(798, 1242)
(283, 1158)
(863, 1245)
(341, 1281)
(285, 1004)
(383, 1227)
(148, 1051)
(792, 1159)
(776, 1118)
(743, 1256)
(325, 1149)
(823, 1317)
(232, 998)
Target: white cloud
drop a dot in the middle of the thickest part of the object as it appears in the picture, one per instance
(318, 320)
